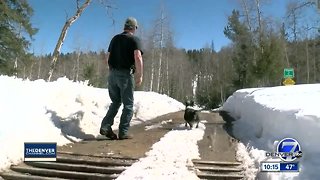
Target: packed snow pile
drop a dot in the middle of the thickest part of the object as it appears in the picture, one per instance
(62, 111)
(265, 115)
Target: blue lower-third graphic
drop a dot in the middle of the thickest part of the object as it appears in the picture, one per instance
(40, 151)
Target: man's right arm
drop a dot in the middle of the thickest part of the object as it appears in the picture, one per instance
(139, 67)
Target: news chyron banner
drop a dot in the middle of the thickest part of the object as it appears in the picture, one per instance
(38, 151)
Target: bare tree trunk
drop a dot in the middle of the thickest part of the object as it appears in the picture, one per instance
(78, 66)
(286, 53)
(152, 71)
(246, 11)
(314, 63)
(161, 49)
(31, 69)
(167, 74)
(64, 66)
(260, 24)
(194, 85)
(39, 68)
(63, 34)
(16, 66)
(74, 71)
(295, 28)
(24, 72)
(160, 61)
(308, 68)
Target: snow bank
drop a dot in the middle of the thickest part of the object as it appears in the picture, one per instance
(264, 115)
(61, 111)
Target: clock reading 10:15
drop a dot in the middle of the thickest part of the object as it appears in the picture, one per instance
(270, 166)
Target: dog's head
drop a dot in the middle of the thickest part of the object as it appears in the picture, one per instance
(189, 103)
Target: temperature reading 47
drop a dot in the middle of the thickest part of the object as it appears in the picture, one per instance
(285, 166)
(290, 166)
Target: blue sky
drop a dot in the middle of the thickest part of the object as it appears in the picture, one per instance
(194, 23)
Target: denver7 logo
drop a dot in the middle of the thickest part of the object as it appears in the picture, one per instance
(289, 149)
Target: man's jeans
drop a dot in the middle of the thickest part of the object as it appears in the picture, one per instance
(121, 87)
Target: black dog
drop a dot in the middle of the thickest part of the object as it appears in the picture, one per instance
(191, 116)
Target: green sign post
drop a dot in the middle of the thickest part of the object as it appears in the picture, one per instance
(288, 73)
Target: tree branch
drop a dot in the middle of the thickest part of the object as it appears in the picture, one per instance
(63, 34)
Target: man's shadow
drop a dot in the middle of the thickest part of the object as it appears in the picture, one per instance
(70, 126)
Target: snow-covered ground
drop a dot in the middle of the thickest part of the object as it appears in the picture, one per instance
(60, 111)
(38, 111)
(266, 115)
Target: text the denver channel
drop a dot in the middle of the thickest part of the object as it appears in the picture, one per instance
(40, 151)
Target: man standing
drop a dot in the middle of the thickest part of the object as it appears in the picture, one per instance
(124, 58)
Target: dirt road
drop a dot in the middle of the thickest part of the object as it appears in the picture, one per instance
(216, 145)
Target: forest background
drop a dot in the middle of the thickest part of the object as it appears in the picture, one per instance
(261, 48)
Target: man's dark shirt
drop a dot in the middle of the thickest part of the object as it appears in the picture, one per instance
(121, 50)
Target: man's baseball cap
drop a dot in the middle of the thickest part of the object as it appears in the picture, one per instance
(131, 23)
